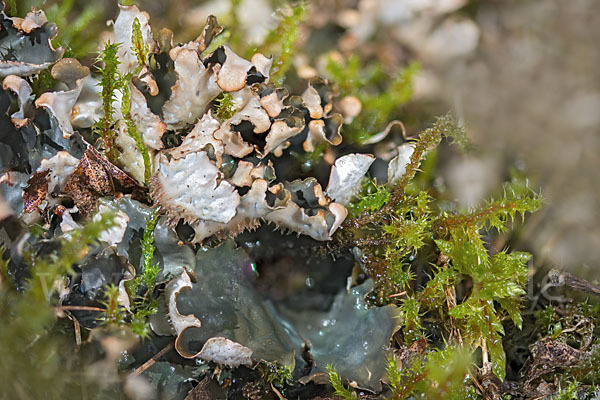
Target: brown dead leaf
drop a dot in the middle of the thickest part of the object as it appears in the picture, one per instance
(96, 177)
(36, 191)
(201, 391)
(405, 355)
(547, 355)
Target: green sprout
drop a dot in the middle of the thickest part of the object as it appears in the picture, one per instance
(150, 270)
(140, 48)
(110, 83)
(112, 314)
(276, 374)
(224, 106)
(113, 81)
(142, 286)
(338, 386)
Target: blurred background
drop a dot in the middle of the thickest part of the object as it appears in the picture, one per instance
(522, 76)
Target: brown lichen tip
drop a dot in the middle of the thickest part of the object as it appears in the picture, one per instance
(201, 136)
(33, 20)
(271, 98)
(263, 119)
(323, 126)
(350, 107)
(178, 321)
(70, 72)
(312, 101)
(212, 206)
(326, 130)
(257, 105)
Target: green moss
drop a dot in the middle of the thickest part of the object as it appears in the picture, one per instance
(372, 197)
(338, 386)
(411, 319)
(394, 230)
(110, 82)
(142, 52)
(112, 314)
(276, 374)
(444, 126)
(441, 374)
(36, 362)
(150, 269)
(140, 48)
(224, 106)
(4, 261)
(42, 82)
(576, 325)
(221, 39)
(545, 319)
(380, 94)
(78, 31)
(141, 288)
(280, 41)
(568, 393)
(113, 81)
(12, 7)
(499, 278)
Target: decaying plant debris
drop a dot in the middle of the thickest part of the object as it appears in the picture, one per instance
(175, 223)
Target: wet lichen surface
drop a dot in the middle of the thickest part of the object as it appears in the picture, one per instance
(211, 219)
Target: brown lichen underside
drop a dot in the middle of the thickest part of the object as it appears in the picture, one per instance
(96, 177)
(36, 191)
